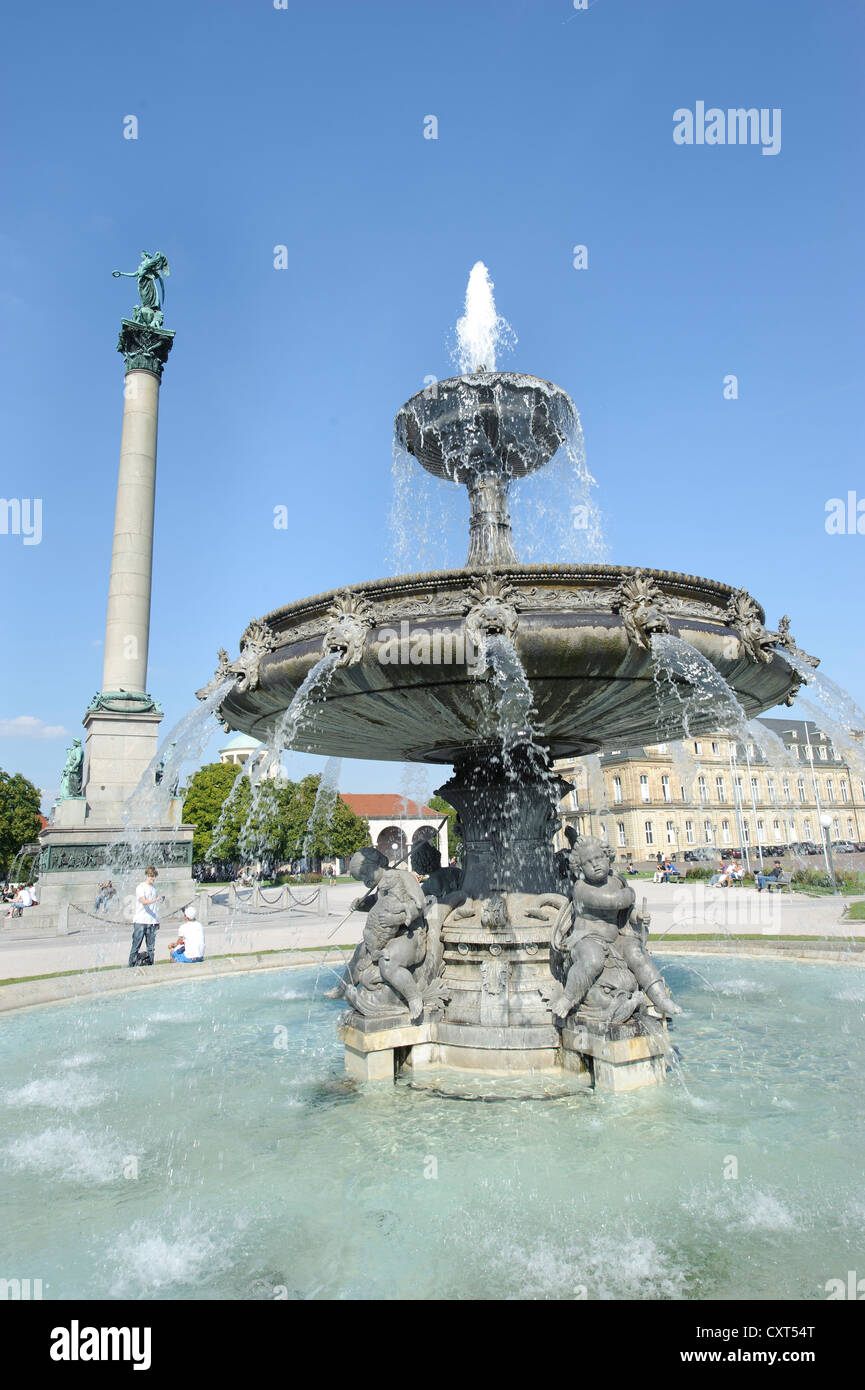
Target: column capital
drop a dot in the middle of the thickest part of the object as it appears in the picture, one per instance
(144, 346)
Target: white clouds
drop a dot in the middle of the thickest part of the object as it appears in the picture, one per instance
(28, 726)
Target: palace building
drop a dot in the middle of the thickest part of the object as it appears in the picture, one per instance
(715, 793)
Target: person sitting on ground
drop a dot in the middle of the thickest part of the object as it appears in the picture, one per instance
(629, 867)
(189, 946)
(106, 893)
(659, 876)
(23, 898)
(763, 880)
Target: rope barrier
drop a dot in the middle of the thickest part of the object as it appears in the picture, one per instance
(120, 921)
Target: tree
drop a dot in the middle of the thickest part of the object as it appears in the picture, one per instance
(20, 822)
(203, 802)
(328, 828)
(455, 844)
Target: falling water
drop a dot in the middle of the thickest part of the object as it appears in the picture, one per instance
(323, 809)
(267, 772)
(692, 695)
(833, 710)
(481, 332)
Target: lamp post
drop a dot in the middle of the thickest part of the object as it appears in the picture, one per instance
(825, 824)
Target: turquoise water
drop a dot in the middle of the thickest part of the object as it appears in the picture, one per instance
(200, 1141)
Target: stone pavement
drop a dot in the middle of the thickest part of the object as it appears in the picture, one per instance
(676, 910)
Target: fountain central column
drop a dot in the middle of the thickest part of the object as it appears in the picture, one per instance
(490, 537)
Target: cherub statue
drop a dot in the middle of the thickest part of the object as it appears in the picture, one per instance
(381, 975)
(596, 955)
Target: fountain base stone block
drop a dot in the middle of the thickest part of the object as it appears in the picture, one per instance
(623, 1059)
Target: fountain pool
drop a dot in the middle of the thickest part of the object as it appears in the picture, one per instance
(200, 1140)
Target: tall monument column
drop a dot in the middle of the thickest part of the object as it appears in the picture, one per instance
(122, 720)
(87, 836)
(127, 628)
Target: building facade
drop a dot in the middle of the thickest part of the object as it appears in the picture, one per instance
(395, 823)
(715, 793)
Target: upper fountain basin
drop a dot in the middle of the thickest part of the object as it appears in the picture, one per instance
(406, 686)
(501, 422)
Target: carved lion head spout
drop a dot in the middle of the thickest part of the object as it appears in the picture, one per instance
(256, 642)
(746, 619)
(221, 674)
(640, 602)
(492, 612)
(349, 619)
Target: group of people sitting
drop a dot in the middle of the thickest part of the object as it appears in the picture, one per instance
(667, 870)
(23, 896)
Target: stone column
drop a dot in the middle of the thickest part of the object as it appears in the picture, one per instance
(127, 628)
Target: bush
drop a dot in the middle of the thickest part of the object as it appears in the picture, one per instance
(299, 880)
(811, 878)
(700, 873)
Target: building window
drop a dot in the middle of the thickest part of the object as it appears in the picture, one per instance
(836, 829)
(755, 791)
(689, 831)
(575, 800)
(716, 748)
(746, 826)
(776, 829)
(698, 749)
(620, 830)
(617, 790)
(845, 795)
(725, 831)
(665, 788)
(761, 832)
(800, 788)
(785, 787)
(644, 788)
(671, 833)
(739, 787)
(707, 832)
(849, 827)
(830, 789)
(807, 824)
(719, 788)
(822, 753)
(702, 788)
(650, 834)
(770, 783)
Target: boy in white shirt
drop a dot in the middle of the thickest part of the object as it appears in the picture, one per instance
(145, 922)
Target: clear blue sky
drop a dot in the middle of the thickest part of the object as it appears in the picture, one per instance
(305, 126)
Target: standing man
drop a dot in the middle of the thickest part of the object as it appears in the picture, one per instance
(145, 923)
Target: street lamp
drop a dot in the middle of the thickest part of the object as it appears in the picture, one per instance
(826, 823)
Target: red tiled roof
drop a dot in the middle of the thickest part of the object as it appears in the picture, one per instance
(388, 806)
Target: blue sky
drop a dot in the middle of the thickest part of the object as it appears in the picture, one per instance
(305, 127)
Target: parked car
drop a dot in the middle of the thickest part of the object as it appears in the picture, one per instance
(843, 847)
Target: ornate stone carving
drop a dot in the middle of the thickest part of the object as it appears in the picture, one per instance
(786, 640)
(220, 675)
(491, 611)
(641, 602)
(129, 702)
(256, 642)
(743, 615)
(349, 619)
(72, 774)
(604, 971)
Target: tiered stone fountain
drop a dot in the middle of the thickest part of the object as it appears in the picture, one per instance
(517, 962)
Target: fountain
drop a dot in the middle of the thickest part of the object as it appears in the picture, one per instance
(498, 668)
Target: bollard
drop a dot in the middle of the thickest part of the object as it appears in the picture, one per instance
(256, 895)
(322, 901)
(63, 920)
(202, 906)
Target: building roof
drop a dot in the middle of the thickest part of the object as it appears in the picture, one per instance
(388, 806)
(239, 742)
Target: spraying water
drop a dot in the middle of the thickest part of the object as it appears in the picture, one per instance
(481, 332)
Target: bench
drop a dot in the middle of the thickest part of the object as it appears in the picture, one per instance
(779, 883)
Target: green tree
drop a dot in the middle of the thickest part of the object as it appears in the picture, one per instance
(203, 801)
(331, 828)
(455, 844)
(19, 815)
